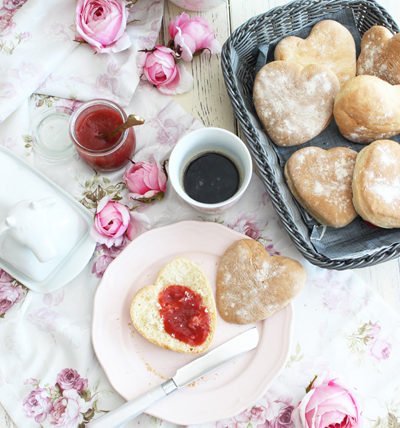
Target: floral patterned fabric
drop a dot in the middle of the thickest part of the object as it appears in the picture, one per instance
(38, 53)
(49, 375)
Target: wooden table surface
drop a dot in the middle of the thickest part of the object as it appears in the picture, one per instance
(209, 102)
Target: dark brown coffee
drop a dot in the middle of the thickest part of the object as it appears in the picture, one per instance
(211, 178)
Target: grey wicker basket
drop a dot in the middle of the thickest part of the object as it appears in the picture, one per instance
(239, 58)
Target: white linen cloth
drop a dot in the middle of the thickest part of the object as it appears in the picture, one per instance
(38, 53)
(341, 325)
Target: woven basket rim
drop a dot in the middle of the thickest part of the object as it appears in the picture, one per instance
(240, 109)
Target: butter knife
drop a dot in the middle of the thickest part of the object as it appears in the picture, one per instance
(240, 344)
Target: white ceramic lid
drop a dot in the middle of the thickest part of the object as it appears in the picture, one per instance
(44, 233)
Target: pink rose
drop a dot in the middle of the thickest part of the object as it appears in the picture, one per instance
(5, 277)
(6, 22)
(145, 180)
(374, 330)
(256, 415)
(192, 35)
(284, 419)
(67, 410)
(247, 226)
(70, 379)
(10, 294)
(102, 23)
(37, 404)
(13, 4)
(328, 404)
(111, 222)
(160, 68)
(101, 264)
(380, 349)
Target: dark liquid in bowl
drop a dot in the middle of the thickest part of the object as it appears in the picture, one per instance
(211, 178)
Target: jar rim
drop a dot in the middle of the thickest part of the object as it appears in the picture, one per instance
(93, 103)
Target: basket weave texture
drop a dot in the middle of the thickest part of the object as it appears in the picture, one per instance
(239, 62)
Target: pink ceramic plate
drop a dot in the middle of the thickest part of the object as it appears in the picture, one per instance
(134, 365)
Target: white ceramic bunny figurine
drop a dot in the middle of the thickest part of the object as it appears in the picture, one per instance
(28, 223)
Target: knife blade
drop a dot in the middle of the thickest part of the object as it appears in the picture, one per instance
(240, 344)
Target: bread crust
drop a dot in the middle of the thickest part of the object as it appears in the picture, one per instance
(367, 109)
(320, 180)
(144, 310)
(294, 103)
(380, 54)
(329, 44)
(252, 285)
(376, 184)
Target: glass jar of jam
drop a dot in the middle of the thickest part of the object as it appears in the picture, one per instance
(91, 128)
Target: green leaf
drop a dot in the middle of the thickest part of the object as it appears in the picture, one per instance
(158, 197)
(88, 415)
(86, 395)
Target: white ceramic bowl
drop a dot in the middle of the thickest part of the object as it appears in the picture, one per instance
(206, 140)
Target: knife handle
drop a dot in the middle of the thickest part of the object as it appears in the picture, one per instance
(134, 407)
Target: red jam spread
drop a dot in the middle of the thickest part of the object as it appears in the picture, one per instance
(91, 127)
(102, 152)
(184, 315)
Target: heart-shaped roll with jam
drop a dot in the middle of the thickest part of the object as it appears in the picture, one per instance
(177, 312)
(294, 103)
(252, 285)
(320, 180)
(329, 43)
(380, 54)
(376, 183)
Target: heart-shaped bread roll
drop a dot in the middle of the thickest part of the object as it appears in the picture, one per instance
(376, 183)
(367, 108)
(321, 180)
(252, 285)
(294, 103)
(380, 54)
(178, 312)
(329, 43)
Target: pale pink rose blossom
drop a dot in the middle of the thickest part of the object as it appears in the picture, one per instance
(111, 222)
(145, 180)
(5, 277)
(37, 404)
(328, 404)
(70, 379)
(256, 415)
(6, 21)
(380, 349)
(13, 4)
(101, 264)
(10, 294)
(105, 255)
(67, 410)
(374, 330)
(102, 24)
(284, 419)
(192, 35)
(160, 67)
(247, 226)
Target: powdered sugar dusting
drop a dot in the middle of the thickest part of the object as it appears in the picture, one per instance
(382, 178)
(323, 179)
(380, 55)
(294, 105)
